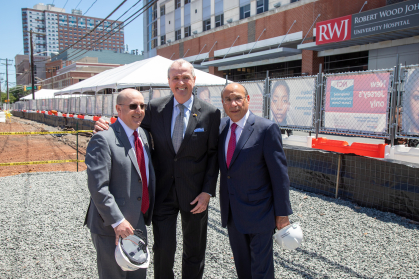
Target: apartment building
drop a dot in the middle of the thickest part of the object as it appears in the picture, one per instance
(60, 30)
(245, 39)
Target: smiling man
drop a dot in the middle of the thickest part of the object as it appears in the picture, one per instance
(121, 182)
(185, 134)
(254, 184)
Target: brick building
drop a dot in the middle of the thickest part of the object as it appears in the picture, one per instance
(246, 38)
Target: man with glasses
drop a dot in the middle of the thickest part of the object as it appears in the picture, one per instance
(185, 134)
(254, 184)
(121, 182)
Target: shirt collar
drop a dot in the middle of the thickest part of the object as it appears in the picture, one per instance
(127, 129)
(242, 121)
(187, 104)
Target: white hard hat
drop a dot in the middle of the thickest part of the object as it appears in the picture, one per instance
(132, 253)
(289, 237)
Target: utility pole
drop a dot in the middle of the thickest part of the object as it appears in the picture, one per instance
(7, 83)
(32, 62)
(32, 67)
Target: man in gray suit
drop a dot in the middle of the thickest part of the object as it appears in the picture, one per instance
(121, 182)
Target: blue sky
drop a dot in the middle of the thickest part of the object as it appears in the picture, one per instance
(11, 42)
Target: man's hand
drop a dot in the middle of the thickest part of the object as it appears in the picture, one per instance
(123, 230)
(281, 222)
(203, 200)
(101, 125)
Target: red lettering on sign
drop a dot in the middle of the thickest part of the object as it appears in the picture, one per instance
(334, 30)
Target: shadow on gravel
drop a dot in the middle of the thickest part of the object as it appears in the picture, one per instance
(215, 223)
(305, 271)
(387, 217)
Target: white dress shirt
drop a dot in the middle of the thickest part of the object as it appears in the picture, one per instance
(176, 111)
(130, 134)
(239, 130)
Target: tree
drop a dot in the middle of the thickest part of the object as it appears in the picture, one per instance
(4, 97)
(17, 93)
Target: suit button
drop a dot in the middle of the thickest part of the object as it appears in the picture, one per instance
(139, 198)
(175, 160)
(228, 177)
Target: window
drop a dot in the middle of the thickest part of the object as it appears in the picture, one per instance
(178, 34)
(163, 40)
(177, 4)
(206, 25)
(245, 11)
(187, 1)
(162, 10)
(187, 31)
(261, 6)
(219, 20)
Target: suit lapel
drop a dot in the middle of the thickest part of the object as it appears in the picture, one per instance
(245, 135)
(222, 145)
(167, 110)
(193, 121)
(122, 136)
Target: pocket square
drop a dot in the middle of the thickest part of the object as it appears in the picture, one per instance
(198, 130)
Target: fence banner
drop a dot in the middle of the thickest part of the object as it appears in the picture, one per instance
(157, 93)
(211, 95)
(83, 105)
(255, 90)
(107, 105)
(410, 104)
(357, 102)
(146, 95)
(98, 104)
(89, 105)
(293, 102)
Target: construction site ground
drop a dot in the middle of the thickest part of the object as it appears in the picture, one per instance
(32, 148)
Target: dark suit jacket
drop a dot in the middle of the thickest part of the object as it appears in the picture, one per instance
(194, 169)
(256, 186)
(114, 180)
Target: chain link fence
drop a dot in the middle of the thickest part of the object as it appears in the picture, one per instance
(368, 103)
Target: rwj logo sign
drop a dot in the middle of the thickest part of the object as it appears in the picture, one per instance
(334, 30)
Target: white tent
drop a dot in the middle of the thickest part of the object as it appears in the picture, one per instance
(41, 94)
(147, 72)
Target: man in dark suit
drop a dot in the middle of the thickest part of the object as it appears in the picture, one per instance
(254, 184)
(121, 182)
(185, 134)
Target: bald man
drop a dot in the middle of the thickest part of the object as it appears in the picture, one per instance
(121, 182)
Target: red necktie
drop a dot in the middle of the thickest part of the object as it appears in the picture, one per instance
(141, 163)
(231, 144)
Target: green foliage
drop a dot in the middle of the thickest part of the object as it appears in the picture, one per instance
(4, 97)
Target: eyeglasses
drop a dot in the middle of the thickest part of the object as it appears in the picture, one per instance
(135, 106)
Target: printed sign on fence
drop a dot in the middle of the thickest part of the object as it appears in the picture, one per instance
(211, 95)
(357, 102)
(292, 102)
(410, 116)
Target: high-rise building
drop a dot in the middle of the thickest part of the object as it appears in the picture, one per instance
(61, 30)
(246, 39)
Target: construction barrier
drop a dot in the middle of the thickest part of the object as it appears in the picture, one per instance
(402, 153)
(340, 146)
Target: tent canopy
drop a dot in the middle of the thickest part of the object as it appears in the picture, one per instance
(147, 72)
(41, 94)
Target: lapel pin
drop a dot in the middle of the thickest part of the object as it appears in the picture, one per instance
(195, 115)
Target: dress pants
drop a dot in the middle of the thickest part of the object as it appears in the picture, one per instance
(253, 253)
(107, 266)
(194, 229)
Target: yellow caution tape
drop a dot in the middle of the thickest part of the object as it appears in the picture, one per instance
(45, 133)
(41, 162)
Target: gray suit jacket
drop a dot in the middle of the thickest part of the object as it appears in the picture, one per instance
(114, 180)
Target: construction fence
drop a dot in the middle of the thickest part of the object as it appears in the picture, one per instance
(378, 103)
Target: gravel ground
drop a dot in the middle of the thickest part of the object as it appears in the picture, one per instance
(42, 236)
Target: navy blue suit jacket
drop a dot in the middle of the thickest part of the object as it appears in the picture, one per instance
(256, 186)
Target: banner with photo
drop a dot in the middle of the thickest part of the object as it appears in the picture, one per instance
(357, 102)
(211, 95)
(410, 104)
(158, 93)
(292, 102)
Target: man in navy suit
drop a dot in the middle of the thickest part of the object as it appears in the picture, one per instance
(254, 184)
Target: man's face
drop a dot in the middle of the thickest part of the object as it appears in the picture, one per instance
(181, 82)
(132, 118)
(235, 102)
(280, 103)
(205, 96)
